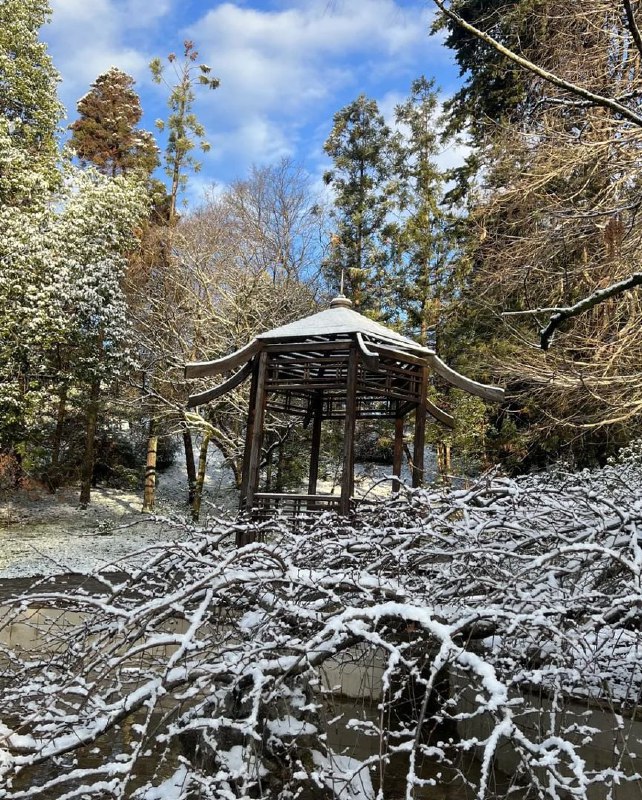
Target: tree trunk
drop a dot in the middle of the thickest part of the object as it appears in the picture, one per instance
(200, 478)
(87, 470)
(189, 465)
(56, 445)
(149, 496)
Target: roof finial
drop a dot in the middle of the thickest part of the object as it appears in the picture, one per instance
(341, 301)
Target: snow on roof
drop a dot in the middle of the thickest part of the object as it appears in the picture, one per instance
(340, 318)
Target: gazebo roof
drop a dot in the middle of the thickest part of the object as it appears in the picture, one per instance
(340, 319)
(336, 324)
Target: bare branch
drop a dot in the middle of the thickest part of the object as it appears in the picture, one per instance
(550, 77)
(562, 314)
(632, 25)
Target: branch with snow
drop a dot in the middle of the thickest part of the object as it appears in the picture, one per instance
(560, 315)
(483, 621)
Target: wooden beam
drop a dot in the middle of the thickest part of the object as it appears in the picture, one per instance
(370, 359)
(223, 388)
(249, 431)
(420, 433)
(315, 447)
(347, 475)
(254, 463)
(400, 355)
(201, 369)
(492, 393)
(439, 414)
(305, 347)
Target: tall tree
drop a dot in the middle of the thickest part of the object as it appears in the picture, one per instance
(29, 116)
(184, 131)
(492, 90)
(421, 240)
(360, 148)
(106, 133)
(28, 102)
(559, 219)
(221, 288)
(184, 134)
(279, 221)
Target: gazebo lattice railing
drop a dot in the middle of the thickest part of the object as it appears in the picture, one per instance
(333, 365)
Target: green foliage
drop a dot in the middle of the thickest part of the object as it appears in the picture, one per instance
(360, 146)
(184, 131)
(65, 321)
(421, 238)
(493, 88)
(105, 134)
(28, 102)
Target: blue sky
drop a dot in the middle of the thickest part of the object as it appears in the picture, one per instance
(285, 66)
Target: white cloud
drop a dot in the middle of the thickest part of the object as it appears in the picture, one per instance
(86, 37)
(286, 66)
(278, 67)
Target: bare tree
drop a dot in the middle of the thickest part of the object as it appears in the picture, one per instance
(558, 223)
(239, 265)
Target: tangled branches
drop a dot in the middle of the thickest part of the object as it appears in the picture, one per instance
(500, 622)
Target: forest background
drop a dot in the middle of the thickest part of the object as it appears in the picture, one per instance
(108, 287)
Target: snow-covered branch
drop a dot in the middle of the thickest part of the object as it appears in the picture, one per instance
(485, 621)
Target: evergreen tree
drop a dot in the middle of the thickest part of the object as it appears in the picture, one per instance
(28, 79)
(184, 130)
(360, 146)
(556, 218)
(105, 134)
(421, 236)
(493, 90)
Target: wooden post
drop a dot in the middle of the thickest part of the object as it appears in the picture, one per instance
(254, 463)
(245, 470)
(420, 432)
(316, 443)
(397, 453)
(347, 476)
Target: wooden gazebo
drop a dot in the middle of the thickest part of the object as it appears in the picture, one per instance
(333, 365)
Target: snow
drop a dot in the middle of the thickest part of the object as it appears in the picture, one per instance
(171, 789)
(290, 727)
(527, 593)
(345, 776)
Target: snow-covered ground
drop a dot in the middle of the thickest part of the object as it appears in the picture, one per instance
(45, 534)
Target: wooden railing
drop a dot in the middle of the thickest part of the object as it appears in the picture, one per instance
(267, 504)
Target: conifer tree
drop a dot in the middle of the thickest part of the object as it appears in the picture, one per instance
(105, 134)
(421, 238)
(28, 79)
(360, 148)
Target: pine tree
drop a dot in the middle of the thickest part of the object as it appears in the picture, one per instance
(184, 131)
(421, 234)
(360, 148)
(105, 134)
